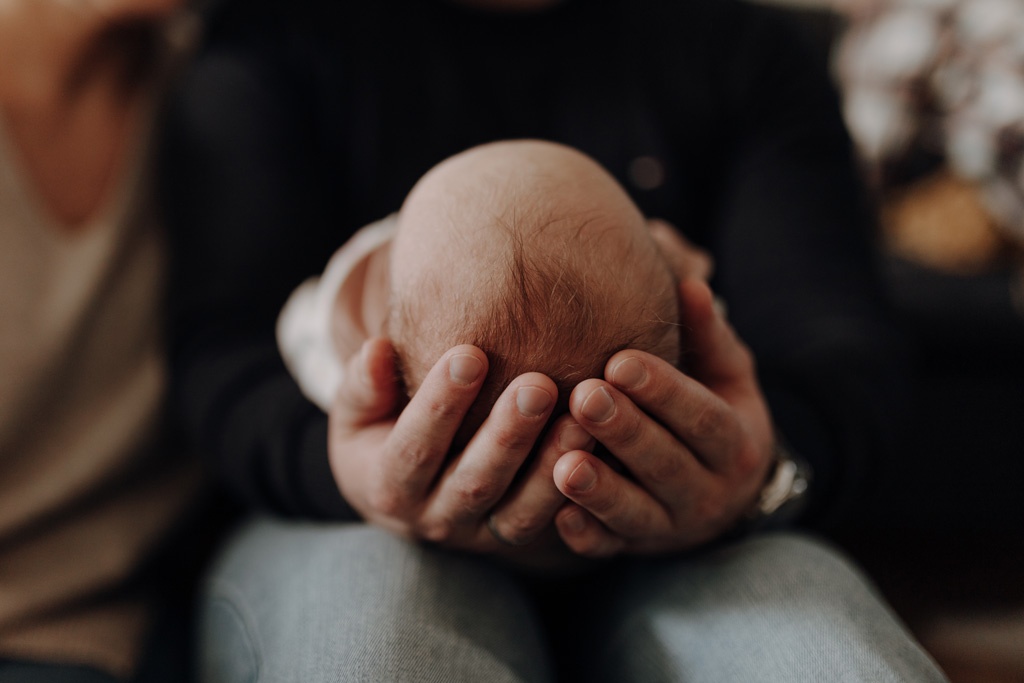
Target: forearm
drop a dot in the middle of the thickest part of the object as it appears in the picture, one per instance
(267, 442)
(798, 270)
(245, 224)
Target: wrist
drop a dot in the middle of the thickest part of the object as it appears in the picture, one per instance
(784, 494)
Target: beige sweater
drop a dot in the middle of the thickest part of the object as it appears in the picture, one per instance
(86, 488)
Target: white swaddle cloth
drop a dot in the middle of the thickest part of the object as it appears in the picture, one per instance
(304, 336)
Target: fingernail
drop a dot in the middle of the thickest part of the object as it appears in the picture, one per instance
(582, 478)
(532, 401)
(574, 438)
(464, 369)
(599, 406)
(574, 522)
(628, 373)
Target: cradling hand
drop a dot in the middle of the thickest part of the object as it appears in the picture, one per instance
(696, 448)
(393, 466)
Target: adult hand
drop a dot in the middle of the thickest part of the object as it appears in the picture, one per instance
(685, 259)
(696, 449)
(394, 467)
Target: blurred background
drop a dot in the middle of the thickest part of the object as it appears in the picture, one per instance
(933, 95)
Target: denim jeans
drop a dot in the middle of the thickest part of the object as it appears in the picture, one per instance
(314, 603)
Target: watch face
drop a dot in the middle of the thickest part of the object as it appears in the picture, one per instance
(782, 497)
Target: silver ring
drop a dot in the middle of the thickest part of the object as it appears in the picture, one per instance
(493, 528)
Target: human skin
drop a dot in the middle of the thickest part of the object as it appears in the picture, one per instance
(683, 495)
(550, 209)
(69, 114)
(458, 229)
(698, 465)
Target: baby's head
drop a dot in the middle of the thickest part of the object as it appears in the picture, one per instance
(533, 253)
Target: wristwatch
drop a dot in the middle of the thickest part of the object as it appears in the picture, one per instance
(784, 494)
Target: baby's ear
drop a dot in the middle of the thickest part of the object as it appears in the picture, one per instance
(684, 258)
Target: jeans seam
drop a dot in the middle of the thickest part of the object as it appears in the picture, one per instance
(228, 594)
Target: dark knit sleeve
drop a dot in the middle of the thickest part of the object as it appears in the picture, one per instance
(240, 194)
(794, 244)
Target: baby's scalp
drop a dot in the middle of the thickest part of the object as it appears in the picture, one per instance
(532, 252)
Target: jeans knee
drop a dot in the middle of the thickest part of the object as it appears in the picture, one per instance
(350, 602)
(229, 653)
(803, 563)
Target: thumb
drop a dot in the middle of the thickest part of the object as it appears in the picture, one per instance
(370, 391)
(714, 354)
(684, 258)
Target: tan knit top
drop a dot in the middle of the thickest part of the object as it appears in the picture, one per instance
(86, 488)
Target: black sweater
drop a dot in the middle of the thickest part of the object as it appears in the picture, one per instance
(300, 122)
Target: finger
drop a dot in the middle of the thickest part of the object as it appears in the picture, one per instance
(370, 391)
(714, 355)
(684, 259)
(689, 411)
(480, 476)
(584, 535)
(722, 362)
(618, 503)
(419, 442)
(530, 507)
(654, 455)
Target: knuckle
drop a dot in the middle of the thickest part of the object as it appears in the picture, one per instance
(412, 452)
(708, 422)
(386, 503)
(477, 495)
(442, 411)
(519, 529)
(438, 531)
(510, 440)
